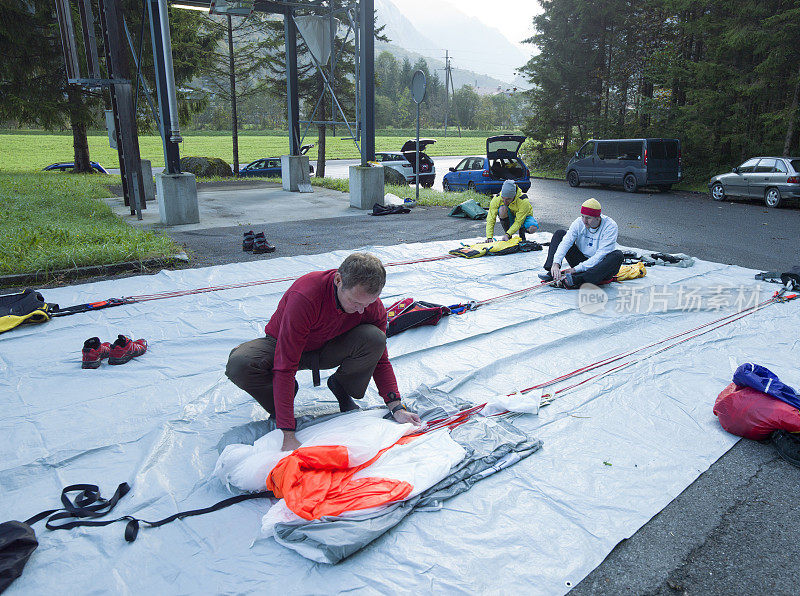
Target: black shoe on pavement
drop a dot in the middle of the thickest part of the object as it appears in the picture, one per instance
(260, 244)
(247, 242)
(545, 277)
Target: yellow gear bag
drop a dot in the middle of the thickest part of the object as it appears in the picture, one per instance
(501, 247)
(634, 271)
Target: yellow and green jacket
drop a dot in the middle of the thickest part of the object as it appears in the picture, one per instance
(520, 207)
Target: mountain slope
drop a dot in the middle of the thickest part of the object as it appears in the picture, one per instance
(428, 28)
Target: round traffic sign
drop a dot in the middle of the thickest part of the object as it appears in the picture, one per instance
(418, 84)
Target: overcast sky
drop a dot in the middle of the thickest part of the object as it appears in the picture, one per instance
(512, 17)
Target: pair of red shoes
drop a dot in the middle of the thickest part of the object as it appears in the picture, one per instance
(120, 352)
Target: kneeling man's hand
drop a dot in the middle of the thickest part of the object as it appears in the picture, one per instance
(290, 443)
(404, 417)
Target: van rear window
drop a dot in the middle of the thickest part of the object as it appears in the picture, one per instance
(795, 164)
(662, 149)
(657, 150)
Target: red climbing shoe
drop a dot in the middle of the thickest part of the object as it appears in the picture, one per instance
(94, 352)
(124, 349)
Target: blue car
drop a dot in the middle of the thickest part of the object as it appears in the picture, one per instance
(486, 174)
(68, 166)
(269, 168)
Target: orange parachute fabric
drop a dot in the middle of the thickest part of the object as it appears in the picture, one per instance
(317, 481)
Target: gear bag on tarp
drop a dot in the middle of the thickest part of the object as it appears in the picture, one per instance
(501, 247)
(407, 313)
(27, 307)
(749, 412)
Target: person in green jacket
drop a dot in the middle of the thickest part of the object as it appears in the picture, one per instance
(511, 202)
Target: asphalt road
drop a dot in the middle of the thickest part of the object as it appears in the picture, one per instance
(740, 233)
(733, 530)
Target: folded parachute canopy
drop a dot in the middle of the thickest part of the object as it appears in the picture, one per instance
(317, 481)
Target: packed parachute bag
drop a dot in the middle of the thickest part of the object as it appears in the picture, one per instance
(407, 313)
(757, 403)
(501, 247)
(26, 308)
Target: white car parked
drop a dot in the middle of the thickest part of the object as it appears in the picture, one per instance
(405, 162)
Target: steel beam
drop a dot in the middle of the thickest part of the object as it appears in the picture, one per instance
(122, 100)
(366, 19)
(292, 91)
(172, 156)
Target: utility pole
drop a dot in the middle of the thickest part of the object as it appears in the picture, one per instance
(448, 82)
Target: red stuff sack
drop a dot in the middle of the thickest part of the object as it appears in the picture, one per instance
(751, 414)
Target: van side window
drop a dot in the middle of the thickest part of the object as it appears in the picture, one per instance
(607, 150)
(780, 167)
(630, 150)
(587, 150)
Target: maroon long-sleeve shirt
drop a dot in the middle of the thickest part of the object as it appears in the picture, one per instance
(308, 316)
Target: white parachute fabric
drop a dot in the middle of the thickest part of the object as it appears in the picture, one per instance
(364, 434)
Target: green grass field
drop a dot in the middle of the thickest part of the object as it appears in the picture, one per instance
(52, 222)
(31, 151)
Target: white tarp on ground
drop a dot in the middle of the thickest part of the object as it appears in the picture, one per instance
(615, 452)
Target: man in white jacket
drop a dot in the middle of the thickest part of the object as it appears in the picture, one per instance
(590, 247)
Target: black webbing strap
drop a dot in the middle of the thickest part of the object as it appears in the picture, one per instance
(89, 503)
(79, 308)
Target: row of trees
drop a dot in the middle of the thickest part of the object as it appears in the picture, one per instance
(395, 108)
(724, 77)
(33, 82)
(229, 72)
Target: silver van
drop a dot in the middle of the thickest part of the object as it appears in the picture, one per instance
(629, 162)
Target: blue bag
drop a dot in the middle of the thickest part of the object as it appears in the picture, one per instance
(762, 379)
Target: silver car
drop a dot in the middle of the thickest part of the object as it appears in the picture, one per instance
(771, 179)
(406, 161)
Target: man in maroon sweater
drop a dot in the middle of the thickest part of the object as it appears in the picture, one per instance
(326, 319)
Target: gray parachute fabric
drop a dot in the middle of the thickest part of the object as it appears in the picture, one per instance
(491, 443)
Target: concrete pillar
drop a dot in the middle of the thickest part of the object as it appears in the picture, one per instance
(147, 181)
(177, 199)
(294, 173)
(366, 186)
